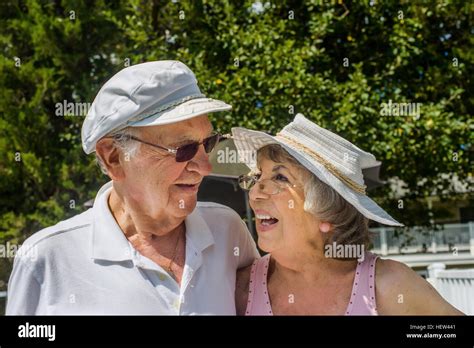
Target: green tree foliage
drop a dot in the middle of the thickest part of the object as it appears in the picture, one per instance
(334, 61)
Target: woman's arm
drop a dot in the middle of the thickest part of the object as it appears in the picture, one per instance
(400, 291)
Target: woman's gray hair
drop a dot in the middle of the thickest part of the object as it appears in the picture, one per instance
(321, 200)
(123, 142)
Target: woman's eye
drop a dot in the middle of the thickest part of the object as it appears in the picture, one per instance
(281, 177)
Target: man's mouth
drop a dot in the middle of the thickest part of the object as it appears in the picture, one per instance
(189, 187)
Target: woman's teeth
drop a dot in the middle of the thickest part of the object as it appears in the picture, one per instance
(267, 220)
(262, 217)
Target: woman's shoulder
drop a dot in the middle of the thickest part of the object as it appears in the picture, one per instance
(242, 282)
(390, 273)
(388, 269)
(400, 290)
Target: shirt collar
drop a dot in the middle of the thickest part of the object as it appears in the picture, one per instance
(109, 242)
(197, 231)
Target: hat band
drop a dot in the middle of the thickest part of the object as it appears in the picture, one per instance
(165, 107)
(333, 170)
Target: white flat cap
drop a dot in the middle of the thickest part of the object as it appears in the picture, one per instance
(148, 94)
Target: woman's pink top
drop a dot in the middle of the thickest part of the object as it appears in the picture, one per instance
(362, 301)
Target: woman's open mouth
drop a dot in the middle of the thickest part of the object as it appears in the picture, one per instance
(265, 222)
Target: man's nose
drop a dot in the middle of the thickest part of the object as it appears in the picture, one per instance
(200, 163)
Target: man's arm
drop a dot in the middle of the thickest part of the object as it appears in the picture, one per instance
(23, 290)
(242, 289)
(247, 252)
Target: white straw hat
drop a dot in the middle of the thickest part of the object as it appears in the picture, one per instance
(334, 160)
(148, 94)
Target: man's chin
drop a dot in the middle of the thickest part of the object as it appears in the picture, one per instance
(185, 205)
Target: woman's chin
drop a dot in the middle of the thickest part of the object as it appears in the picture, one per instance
(265, 245)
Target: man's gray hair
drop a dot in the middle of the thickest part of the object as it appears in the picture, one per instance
(349, 225)
(123, 142)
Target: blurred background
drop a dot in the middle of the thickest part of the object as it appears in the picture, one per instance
(340, 63)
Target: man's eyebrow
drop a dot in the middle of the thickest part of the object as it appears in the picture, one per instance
(182, 140)
(186, 139)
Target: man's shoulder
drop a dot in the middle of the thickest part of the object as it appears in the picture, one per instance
(221, 220)
(212, 209)
(62, 230)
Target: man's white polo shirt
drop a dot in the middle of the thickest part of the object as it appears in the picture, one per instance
(85, 265)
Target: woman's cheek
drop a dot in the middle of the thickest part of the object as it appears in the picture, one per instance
(288, 205)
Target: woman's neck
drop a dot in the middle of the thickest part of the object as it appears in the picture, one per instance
(308, 266)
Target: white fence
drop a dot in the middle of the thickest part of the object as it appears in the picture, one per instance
(455, 285)
(459, 237)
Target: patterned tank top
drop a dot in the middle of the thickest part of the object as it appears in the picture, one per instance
(362, 301)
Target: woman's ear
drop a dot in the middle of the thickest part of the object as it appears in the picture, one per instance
(325, 227)
(110, 156)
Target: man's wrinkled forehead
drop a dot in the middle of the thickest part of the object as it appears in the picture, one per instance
(179, 132)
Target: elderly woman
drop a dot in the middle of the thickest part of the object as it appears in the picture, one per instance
(146, 246)
(308, 196)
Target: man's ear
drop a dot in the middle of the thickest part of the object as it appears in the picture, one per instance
(110, 156)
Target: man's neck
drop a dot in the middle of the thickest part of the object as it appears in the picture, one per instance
(136, 225)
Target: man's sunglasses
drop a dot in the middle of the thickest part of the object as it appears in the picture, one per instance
(187, 152)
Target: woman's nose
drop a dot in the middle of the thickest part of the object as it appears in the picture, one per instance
(256, 192)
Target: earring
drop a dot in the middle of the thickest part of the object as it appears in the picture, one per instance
(324, 227)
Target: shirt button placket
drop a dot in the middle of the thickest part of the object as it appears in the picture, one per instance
(176, 305)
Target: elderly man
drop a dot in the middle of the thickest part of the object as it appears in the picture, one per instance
(146, 246)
